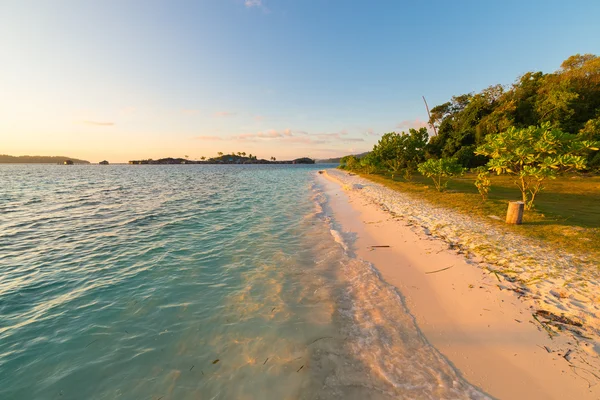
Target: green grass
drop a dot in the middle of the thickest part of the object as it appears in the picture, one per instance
(566, 214)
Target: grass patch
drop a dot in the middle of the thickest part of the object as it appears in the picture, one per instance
(566, 214)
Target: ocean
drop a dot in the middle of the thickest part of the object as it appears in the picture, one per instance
(196, 282)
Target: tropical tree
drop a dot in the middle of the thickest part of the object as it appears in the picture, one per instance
(402, 152)
(534, 155)
(203, 158)
(441, 171)
(370, 163)
(349, 163)
(220, 154)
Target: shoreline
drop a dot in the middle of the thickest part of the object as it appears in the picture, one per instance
(489, 335)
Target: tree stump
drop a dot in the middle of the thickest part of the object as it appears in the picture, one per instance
(514, 215)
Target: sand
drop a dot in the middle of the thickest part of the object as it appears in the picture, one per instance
(486, 330)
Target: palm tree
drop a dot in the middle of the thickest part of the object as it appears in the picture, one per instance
(244, 153)
(250, 156)
(239, 153)
(220, 154)
(203, 158)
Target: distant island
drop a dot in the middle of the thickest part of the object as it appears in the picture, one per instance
(6, 159)
(222, 159)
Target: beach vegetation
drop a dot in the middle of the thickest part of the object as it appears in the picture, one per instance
(567, 216)
(402, 152)
(535, 154)
(370, 163)
(483, 182)
(441, 171)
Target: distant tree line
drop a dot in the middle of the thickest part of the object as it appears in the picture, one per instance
(6, 159)
(534, 129)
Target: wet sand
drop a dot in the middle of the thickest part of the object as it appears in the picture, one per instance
(488, 334)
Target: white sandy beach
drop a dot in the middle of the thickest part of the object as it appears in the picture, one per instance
(475, 318)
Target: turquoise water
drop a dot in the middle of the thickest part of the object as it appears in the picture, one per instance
(195, 282)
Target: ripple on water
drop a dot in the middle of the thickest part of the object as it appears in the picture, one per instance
(195, 282)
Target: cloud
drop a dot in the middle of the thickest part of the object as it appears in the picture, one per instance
(208, 137)
(96, 123)
(253, 3)
(415, 124)
(370, 132)
(349, 140)
(221, 114)
(288, 136)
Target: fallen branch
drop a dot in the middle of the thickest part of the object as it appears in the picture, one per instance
(439, 270)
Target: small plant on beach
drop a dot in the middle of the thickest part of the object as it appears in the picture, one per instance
(534, 155)
(441, 171)
(483, 182)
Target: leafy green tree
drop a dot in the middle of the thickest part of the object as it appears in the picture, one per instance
(441, 171)
(402, 152)
(350, 163)
(591, 131)
(369, 163)
(534, 155)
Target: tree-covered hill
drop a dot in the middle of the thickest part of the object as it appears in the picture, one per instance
(568, 99)
(6, 159)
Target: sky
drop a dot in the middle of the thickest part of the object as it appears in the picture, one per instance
(122, 80)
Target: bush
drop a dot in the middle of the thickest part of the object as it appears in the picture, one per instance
(483, 182)
(467, 158)
(441, 171)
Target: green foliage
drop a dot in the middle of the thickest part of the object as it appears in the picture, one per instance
(441, 171)
(567, 99)
(467, 158)
(591, 131)
(349, 163)
(483, 182)
(369, 163)
(402, 152)
(534, 155)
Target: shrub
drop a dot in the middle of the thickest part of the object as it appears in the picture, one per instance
(441, 171)
(483, 182)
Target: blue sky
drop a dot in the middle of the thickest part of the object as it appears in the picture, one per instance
(124, 80)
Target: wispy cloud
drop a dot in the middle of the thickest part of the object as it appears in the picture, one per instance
(415, 124)
(351, 140)
(97, 123)
(370, 132)
(253, 3)
(288, 136)
(222, 114)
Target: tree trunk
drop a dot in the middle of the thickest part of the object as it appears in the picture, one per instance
(514, 215)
